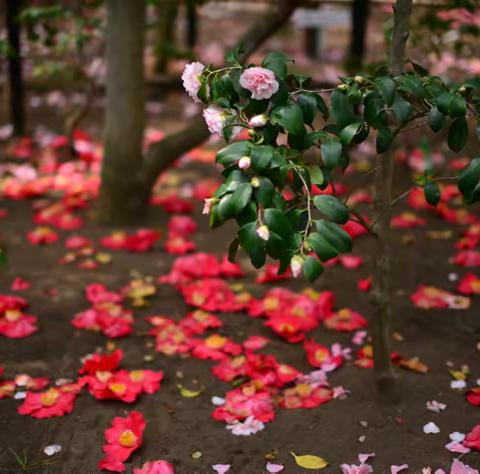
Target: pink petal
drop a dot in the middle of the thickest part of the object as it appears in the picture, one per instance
(274, 467)
(365, 457)
(394, 469)
(221, 468)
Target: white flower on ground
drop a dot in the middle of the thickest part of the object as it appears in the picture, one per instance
(191, 79)
(52, 449)
(435, 406)
(248, 427)
(431, 428)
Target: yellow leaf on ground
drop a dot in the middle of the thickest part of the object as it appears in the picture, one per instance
(187, 393)
(308, 461)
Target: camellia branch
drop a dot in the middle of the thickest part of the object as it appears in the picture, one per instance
(161, 155)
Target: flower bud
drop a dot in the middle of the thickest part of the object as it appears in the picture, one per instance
(263, 232)
(296, 265)
(255, 182)
(244, 162)
(359, 79)
(208, 203)
(258, 121)
(462, 90)
(342, 87)
(251, 133)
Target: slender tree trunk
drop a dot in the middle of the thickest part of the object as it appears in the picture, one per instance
(121, 195)
(15, 76)
(167, 11)
(385, 377)
(192, 23)
(360, 14)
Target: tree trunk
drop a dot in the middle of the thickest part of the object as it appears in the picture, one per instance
(121, 198)
(385, 377)
(360, 14)
(15, 76)
(192, 24)
(167, 12)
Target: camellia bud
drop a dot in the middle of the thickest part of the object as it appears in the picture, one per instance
(359, 79)
(258, 121)
(255, 182)
(296, 265)
(462, 89)
(208, 203)
(251, 133)
(244, 162)
(263, 232)
(342, 87)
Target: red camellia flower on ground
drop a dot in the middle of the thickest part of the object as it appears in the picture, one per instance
(304, 395)
(320, 356)
(42, 236)
(469, 285)
(472, 439)
(473, 396)
(197, 322)
(101, 362)
(155, 467)
(14, 323)
(177, 244)
(215, 347)
(123, 438)
(56, 401)
(467, 258)
(114, 241)
(428, 297)
(182, 225)
(243, 402)
(345, 320)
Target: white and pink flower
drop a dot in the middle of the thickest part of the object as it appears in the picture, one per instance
(260, 82)
(191, 79)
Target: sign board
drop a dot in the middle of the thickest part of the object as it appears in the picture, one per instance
(321, 18)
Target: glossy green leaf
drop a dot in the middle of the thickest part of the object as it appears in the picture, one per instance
(458, 134)
(432, 193)
(290, 117)
(312, 268)
(436, 119)
(231, 204)
(261, 156)
(277, 62)
(334, 235)
(384, 139)
(469, 180)
(278, 222)
(308, 104)
(233, 152)
(386, 86)
(322, 247)
(331, 150)
(332, 207)
(347, 134)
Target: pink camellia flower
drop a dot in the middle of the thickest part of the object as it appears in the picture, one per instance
(244, 162)
(260, 82)
(459, 468)
(258, 121)
(356, 469)
(191, 79)
(215, 118)
(263, 232)
(296, 265)
(155, 467)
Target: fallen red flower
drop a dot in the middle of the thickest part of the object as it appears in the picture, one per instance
(123, 438)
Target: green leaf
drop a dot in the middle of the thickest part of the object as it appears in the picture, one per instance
(314, 136)
(233, 249)
(373, 111)
(451, 104)
(402, 109)
(386, 86)
(341, 109)
(331, 150)
(436, 119)
(316, 174)
(322, 106)
(290, 117)
(347, 134)
(384, 139)
(232, 204)
(312, 268)
(334, 235)
(468, 181)
(233, 152)
(432, 193)
(261, 156)
(247, 236)
(458, 134)
(277, 222)
(308, 104)
(322, 247)
(332, 207)
(277, 62)
(264, 193)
